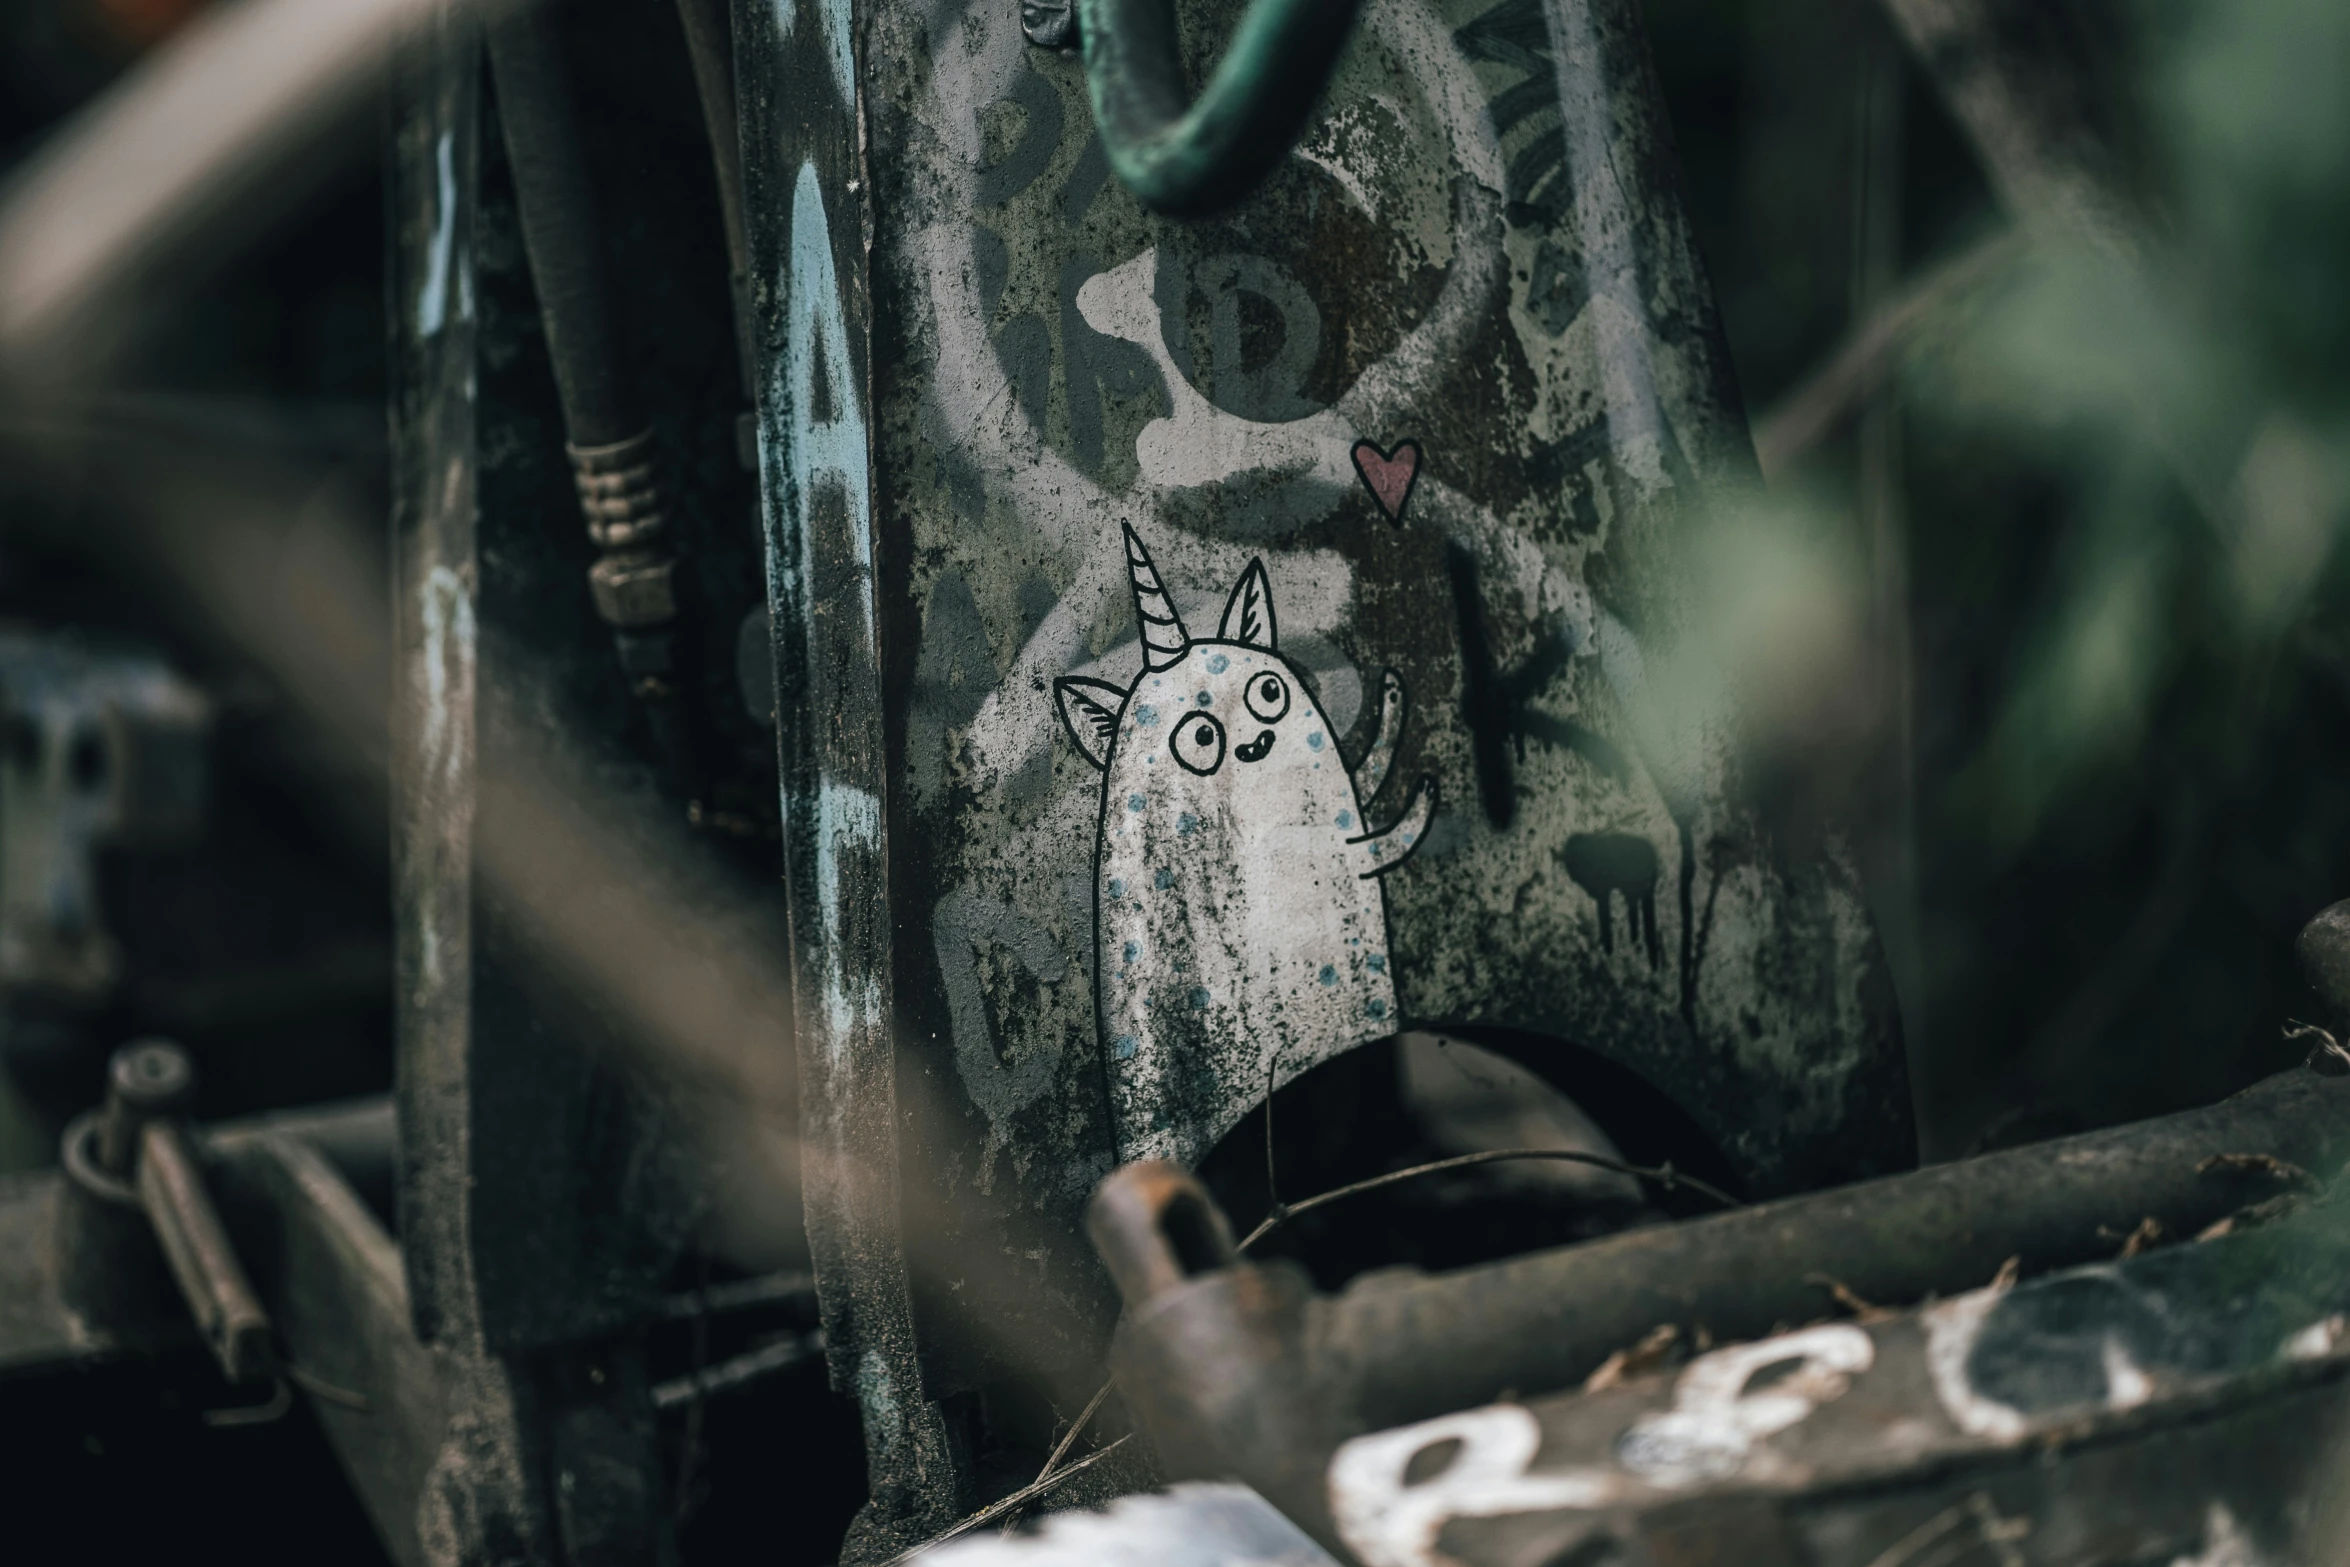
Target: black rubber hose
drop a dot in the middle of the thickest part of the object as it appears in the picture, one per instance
(634, 580)
(709, 43)
(561, 230)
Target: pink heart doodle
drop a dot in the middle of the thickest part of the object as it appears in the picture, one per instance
(1389, 475)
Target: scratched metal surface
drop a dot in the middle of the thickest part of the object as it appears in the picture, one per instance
(1437, 400)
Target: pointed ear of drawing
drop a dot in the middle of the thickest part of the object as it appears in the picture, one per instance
(1249, 616)
(1090, 708)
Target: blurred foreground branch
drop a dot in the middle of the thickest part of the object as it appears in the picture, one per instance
(1833, 393)
(200, 150)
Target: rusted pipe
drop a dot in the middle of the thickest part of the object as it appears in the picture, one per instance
(1408, 1348)
(1210, 1354)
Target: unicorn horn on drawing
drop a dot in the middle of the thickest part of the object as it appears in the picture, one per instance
(1239, 918)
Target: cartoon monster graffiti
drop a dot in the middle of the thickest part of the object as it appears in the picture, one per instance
(1238, 915)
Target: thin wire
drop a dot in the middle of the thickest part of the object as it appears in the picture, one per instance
(1663, 1175)
(995, 1510)
(1272, 1186)
(1068, 1440)
(318, 1387)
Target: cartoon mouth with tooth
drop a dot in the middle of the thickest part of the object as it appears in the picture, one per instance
(1239, 920)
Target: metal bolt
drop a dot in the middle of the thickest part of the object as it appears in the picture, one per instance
(634, 589)
(147, 1079)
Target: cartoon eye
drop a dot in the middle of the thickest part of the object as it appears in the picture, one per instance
(1268, 696)
(1199, 743)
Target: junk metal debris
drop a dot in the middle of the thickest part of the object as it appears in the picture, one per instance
(1222, 605)
(2015, 1415)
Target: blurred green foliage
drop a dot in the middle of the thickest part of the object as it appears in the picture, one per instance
(2123, 466)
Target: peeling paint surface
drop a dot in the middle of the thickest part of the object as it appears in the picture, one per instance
(1434, 266)
(848, 842)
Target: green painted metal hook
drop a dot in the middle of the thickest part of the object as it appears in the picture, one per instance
(1189, 159)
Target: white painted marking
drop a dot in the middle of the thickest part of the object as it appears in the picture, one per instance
(2319, 1339)
(1390, 1523)
(432, 300)
(1951, 1331)
(847, 818)
(1715, 1421)
(2126, 1384)
(1200, 444)
(834, 451)
(839, 46)
(2224, 1544)
(1707, 1435)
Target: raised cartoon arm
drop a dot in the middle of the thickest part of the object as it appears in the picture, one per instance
(1380, 852)
(1371, 771)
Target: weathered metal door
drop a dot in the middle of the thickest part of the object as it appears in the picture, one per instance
(1209, 645)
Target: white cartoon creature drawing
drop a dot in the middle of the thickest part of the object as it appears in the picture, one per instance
(1238, 915)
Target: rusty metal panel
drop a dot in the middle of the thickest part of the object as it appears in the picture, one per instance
(1218, 644)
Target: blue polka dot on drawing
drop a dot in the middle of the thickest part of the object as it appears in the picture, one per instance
(1346, 819)
(1117, 888)
(1314, 740)
(1199, 998)
(1217, 664)
(1134, 802)
(1375, 1007)
(1205, 699)
(1125, 1047)
(1329, 975)
(1186, 824)
(1376, 962)
(1164, 879)
(1146, 715)
(1133, 951)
